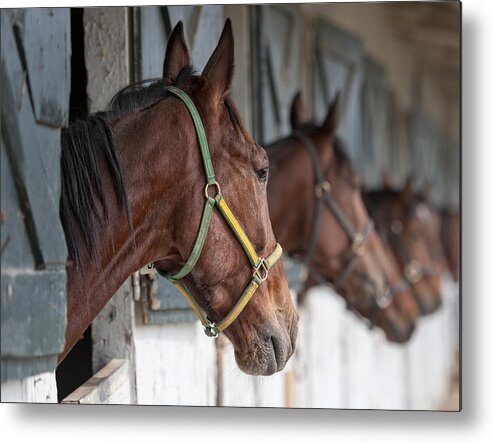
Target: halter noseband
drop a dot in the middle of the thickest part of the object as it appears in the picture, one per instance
(414, 271)
(261, 266)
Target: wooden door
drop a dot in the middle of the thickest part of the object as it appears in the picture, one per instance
(35, 88)
(339, 69)
(278, 69)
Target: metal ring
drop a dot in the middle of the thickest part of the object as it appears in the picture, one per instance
(218, 189)
(384, 300)
(322, 188)
(211, 329)
(413, 272)
(359, 244)
(256, 270)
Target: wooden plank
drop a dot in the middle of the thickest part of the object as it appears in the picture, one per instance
(279, 70)
(376, 126)
(33, 152)
(339, 69)
(318, 357)
(108, 386)
(40, 388)
(33, 313)
(32, 237)
(175, 365)
(46, 42)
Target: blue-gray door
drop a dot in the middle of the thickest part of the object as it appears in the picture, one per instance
(278, 69)
(35, 89)
(340, 69)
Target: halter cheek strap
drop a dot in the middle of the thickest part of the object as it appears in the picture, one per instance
(260, 266)
(323, 195)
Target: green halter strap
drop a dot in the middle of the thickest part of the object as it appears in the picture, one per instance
(261, 266)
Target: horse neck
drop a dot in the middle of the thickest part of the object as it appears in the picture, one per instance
(290, 194)
(120, 250)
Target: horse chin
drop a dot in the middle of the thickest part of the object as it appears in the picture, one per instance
(398, 330)
(268, 353)
(428, 301)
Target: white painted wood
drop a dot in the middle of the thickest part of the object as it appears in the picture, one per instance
(389, 372)
(110, 385)
(358, 364)
(340, 363)
(238, 388)
(39, 388)
(175, 364)
(318, 360)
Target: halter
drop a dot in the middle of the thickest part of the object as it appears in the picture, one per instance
(413, 270)
(261, 266)
(323, 195)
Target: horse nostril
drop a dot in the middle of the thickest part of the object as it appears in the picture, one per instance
(275, 347)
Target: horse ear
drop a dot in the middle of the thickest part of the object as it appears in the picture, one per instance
(332, 120)
(218, 73)
(177, 55)
(387, 181)
(407, 191)
(297, 115)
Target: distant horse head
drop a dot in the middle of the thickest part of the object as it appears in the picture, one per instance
(317, 210)
(155, 149)
(405, 221)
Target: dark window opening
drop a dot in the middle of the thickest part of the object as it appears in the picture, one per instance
(76, 368)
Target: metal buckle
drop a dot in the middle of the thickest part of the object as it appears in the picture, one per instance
(218, 189)
(257, 273)
(359, 244)
(322, 188)
(384, 300)
(413, 272)
(210, 329)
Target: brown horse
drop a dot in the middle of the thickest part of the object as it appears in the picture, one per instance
(133, 193)
(405, 223)
(450, 236)
(334, 239)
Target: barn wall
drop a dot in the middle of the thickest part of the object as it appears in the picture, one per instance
(370, 23)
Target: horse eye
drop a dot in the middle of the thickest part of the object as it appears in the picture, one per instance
(263, 175)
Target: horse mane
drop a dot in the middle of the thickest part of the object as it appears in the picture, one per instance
(83, 202)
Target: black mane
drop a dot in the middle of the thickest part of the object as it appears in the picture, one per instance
(83, 203)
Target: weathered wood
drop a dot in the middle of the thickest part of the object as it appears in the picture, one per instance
(33, 313)
(34, 154)
(376, 126)
(339, 69)
(175, 365)
(110, 385)
(106, 44)
(46, 43)
(40, 388)
(34, 251)
(279, 69)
